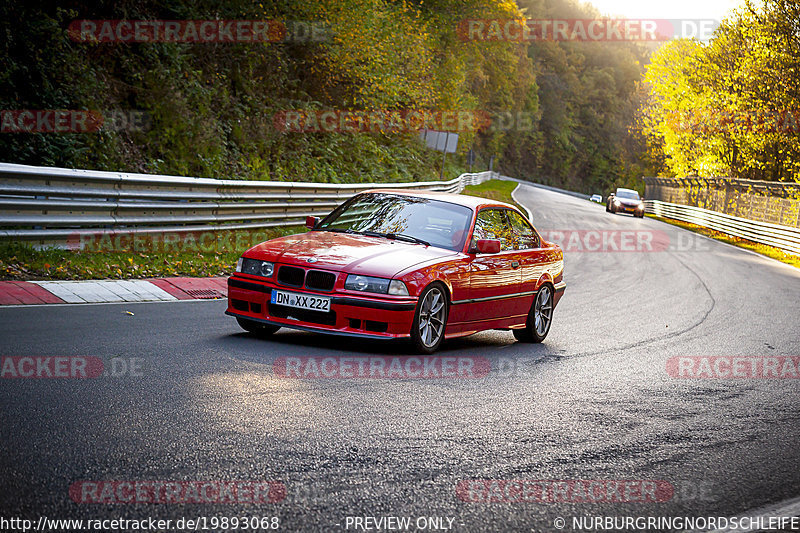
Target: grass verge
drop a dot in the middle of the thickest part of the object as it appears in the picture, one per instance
(187, 255)
(763, 249)
(499, 190)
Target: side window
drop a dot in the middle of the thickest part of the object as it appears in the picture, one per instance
(493, 224)
(526, 236)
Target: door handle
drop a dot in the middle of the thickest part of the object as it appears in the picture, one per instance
(514, 264)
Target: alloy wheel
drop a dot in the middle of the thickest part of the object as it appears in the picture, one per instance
(543, 311)
(432, 317)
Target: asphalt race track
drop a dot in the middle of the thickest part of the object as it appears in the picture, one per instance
(594, 402)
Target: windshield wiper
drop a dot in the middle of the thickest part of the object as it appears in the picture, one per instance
(404, 237)
(393, 236)
(338, 230)
(372, 234)
(407, 238)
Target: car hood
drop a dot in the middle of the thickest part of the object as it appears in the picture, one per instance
(629, 202)
(357, 254)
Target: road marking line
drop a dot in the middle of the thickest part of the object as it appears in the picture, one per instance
(787, 508)
(527, 211)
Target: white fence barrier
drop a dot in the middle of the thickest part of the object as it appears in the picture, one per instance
(783, 237)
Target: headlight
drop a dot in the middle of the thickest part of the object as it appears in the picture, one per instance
(255, 267)
(267, 269)
(398, 288)
(394, 287)
(367, 284)
(616, 202)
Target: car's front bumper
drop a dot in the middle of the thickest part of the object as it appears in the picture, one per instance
(371, 316)
(628, 209)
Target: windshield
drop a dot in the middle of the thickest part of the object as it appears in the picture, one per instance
(406, 218)
(628, 195)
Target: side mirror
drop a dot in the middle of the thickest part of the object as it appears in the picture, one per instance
(311, 222)
(488, 246)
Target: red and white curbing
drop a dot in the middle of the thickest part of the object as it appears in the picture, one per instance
(109, 291)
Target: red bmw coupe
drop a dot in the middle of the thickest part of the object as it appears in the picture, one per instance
(420, 265)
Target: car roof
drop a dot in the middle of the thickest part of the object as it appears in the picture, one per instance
(472, 202)
(626, 190)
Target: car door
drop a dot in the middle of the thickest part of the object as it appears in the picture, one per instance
(494, 278)
(533, 261)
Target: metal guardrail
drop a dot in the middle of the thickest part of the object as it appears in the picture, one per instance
(51, 205)
(783, 237)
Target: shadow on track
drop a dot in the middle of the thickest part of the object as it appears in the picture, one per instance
(498, 347)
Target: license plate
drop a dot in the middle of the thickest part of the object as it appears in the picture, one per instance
(300, 301)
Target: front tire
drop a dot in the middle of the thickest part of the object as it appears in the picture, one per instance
(257, 328)
(430, 319)
(539, 318)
